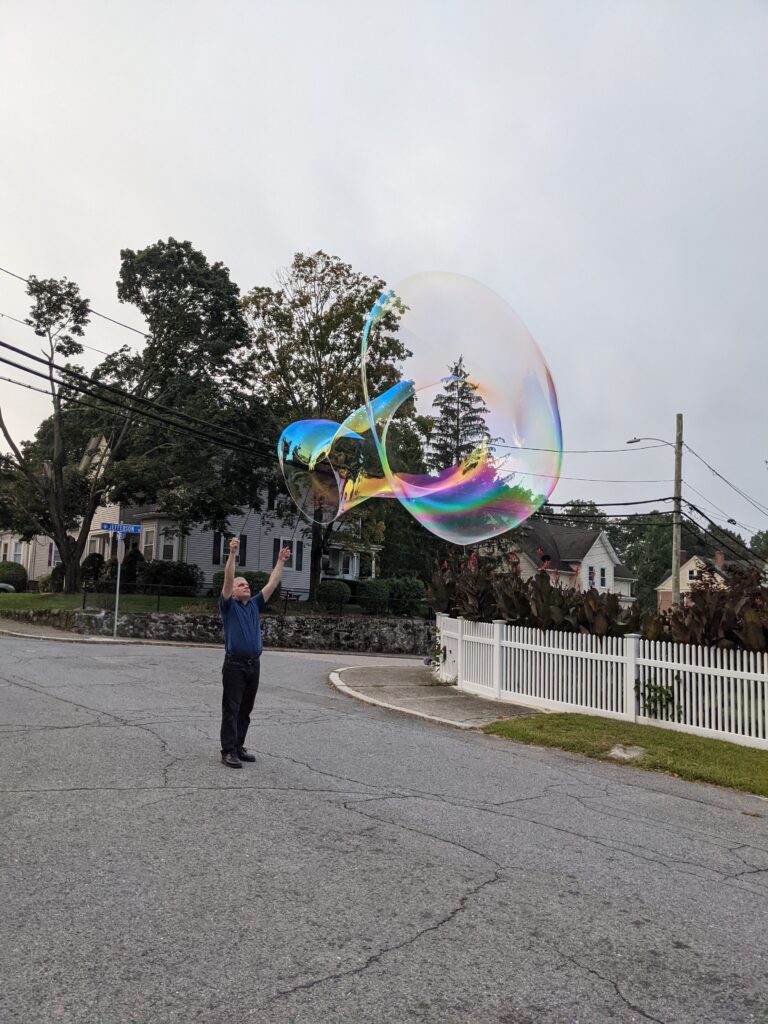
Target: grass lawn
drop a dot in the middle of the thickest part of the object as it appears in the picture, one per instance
(128, 602)
(148, 603)
(677, 753)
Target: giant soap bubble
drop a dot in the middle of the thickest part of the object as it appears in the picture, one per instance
(477, 389)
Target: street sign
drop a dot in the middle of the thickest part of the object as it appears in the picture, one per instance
(121, 527)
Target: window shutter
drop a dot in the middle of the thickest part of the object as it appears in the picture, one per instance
(299, 555)
(275, 549)
(50, 553)
(242, 553)
(216, 559)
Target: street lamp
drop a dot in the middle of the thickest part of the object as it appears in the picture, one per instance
(676, 510)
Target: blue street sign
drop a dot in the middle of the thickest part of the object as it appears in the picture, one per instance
(121, 528)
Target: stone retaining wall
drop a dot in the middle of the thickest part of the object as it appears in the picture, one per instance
(366, 633)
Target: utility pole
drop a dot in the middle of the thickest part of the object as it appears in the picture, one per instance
(676, 514)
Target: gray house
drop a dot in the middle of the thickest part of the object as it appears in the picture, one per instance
(262, 534)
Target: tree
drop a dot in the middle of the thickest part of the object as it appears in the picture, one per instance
(305, 350)
(194, 362)
(759, 544)
(459, 423)
(53, 484)
(88, 451)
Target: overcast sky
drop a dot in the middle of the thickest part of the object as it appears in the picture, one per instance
(602, 165)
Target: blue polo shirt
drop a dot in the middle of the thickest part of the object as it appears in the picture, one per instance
(242, 626)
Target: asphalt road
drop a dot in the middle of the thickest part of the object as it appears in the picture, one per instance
(369, 868)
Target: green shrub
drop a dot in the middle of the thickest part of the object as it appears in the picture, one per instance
(128, 572)
(256, 581)
(44, 584)
(15, 574)
(172, 579)
(57, 578)
(407, 595)
(333, 594)
(93, 566)
(373, 596)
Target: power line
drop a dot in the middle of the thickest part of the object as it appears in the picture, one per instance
(738, 490)
(578, 451)
(719, 539)
(124, 395)
(126, 411)
(146, 414)
(94, 312)
(752, 559)
(594, 479)
(7, 316)
(723, 514)
(611, 504)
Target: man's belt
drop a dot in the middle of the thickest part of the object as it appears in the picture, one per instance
(238, 660)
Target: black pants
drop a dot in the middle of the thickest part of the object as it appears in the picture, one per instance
(240, 677)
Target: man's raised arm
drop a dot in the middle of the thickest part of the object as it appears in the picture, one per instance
(229, 569)
(269, 587)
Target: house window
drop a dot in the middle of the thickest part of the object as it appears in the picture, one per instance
(221, 548)
(346, 564)
(54, 558)
(5, 552)
(93, 545)
(168, 548)
(17, 551)
(693, 574)
(602, 575)
(296, 561)
(591, 576)
(149, 544)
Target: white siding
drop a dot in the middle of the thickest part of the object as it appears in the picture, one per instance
(599, 557)
(259, 553)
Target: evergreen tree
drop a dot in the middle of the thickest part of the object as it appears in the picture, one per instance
(459, 423)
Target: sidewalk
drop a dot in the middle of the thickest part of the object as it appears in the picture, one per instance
(415, 691)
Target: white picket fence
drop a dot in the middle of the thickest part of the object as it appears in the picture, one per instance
(701, 690)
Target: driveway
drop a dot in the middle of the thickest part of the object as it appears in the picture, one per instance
(368, 868)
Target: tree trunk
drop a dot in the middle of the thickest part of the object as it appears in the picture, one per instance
(70, 559)
(316, 559)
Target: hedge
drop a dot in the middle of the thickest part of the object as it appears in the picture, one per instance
(373, 596)
(15, 574)
(333, 593)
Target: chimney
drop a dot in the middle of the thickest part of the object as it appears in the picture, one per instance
(719, 560)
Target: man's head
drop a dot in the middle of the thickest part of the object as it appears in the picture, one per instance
(241, 589)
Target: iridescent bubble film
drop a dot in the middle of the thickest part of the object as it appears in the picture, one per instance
(475, 391)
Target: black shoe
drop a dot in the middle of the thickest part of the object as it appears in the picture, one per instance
(230, 759)
(242, 753)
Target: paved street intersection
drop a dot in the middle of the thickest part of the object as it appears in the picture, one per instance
(369, 867)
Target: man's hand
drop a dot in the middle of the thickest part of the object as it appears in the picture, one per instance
(234, 546)
(269, 587)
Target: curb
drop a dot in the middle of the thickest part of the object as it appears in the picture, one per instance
(335, 680)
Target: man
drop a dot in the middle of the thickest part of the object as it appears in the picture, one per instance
(242, 641)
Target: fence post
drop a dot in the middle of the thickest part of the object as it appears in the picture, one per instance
(498, 633)
(631, 645)
(460, 651)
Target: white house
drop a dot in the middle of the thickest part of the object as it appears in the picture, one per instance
(574, 556)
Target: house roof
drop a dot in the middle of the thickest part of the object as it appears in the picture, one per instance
(724, 573)
(560, 545)
(564, 546)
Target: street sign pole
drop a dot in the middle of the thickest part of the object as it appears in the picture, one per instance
(120, 556)
(121, 532)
